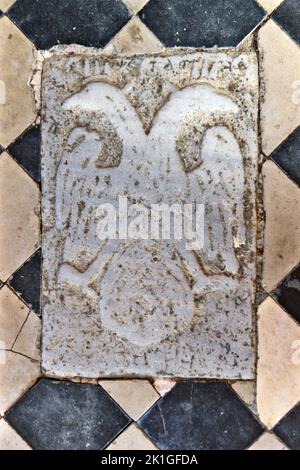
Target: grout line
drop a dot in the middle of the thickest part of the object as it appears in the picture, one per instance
(25, 321)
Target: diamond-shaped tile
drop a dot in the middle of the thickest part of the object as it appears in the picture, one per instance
(131, 439)
(196, 415)
(13, 314)
(134, 396)
(282, 229)
(89, 23)
(17, 374)
(67, 416)
(9, 439)
(278, 368)
(288, 294)
(197, 23)
(287, 155)
(280, 65)
(288, 16)
(288, 429)
(26, 150)
(19, 216)
(268, 441)
(134, 38)
(17, 109)
(26, 281)
(6, 4)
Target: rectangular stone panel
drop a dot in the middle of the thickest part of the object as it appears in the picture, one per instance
(149, 172)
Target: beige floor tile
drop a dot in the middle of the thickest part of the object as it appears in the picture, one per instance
(135, 5)
(269, 5)
(268, 441)
(280, 64)
(19, 216)
(17, 375)
(163, 386)
(134, 396)
(282, 230)
(247, 392)
(134, 38)
(278, 369)
(131, 439)
(9, 439)
(28, 341)
(6, 4)
(17, 110)
(13, 314)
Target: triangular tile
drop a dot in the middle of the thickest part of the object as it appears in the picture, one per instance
(134, 38)
(9, 439)
(246, 389)
(288, 16)
(282, 230)
(17, 110)
(163, 386)
(287, 155)
(28, 340)
(135, 5)
(131, 439)
(6, 4)
(19, 216)
(26, 151)
(280, 65)
(269, 5)
(288, 429)
(268, 441)
(287, 294)
(26, 281)
(17, 374)
(134, 396)
(13, 314)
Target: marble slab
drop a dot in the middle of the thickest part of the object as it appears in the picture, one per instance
(127, 141)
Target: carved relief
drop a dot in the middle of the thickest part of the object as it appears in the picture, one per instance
(187, 146)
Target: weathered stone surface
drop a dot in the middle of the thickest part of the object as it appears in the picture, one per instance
(175, 128)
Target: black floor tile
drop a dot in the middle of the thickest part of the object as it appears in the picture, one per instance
(200, 416)
(67, 416)
(288, 16)
(26, 150)
(287, 156)
(86, 22)
(288, 429)
(198, 23)
(26, 281)
(288, 294)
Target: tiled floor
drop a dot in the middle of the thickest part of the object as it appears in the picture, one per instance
(138, 414)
